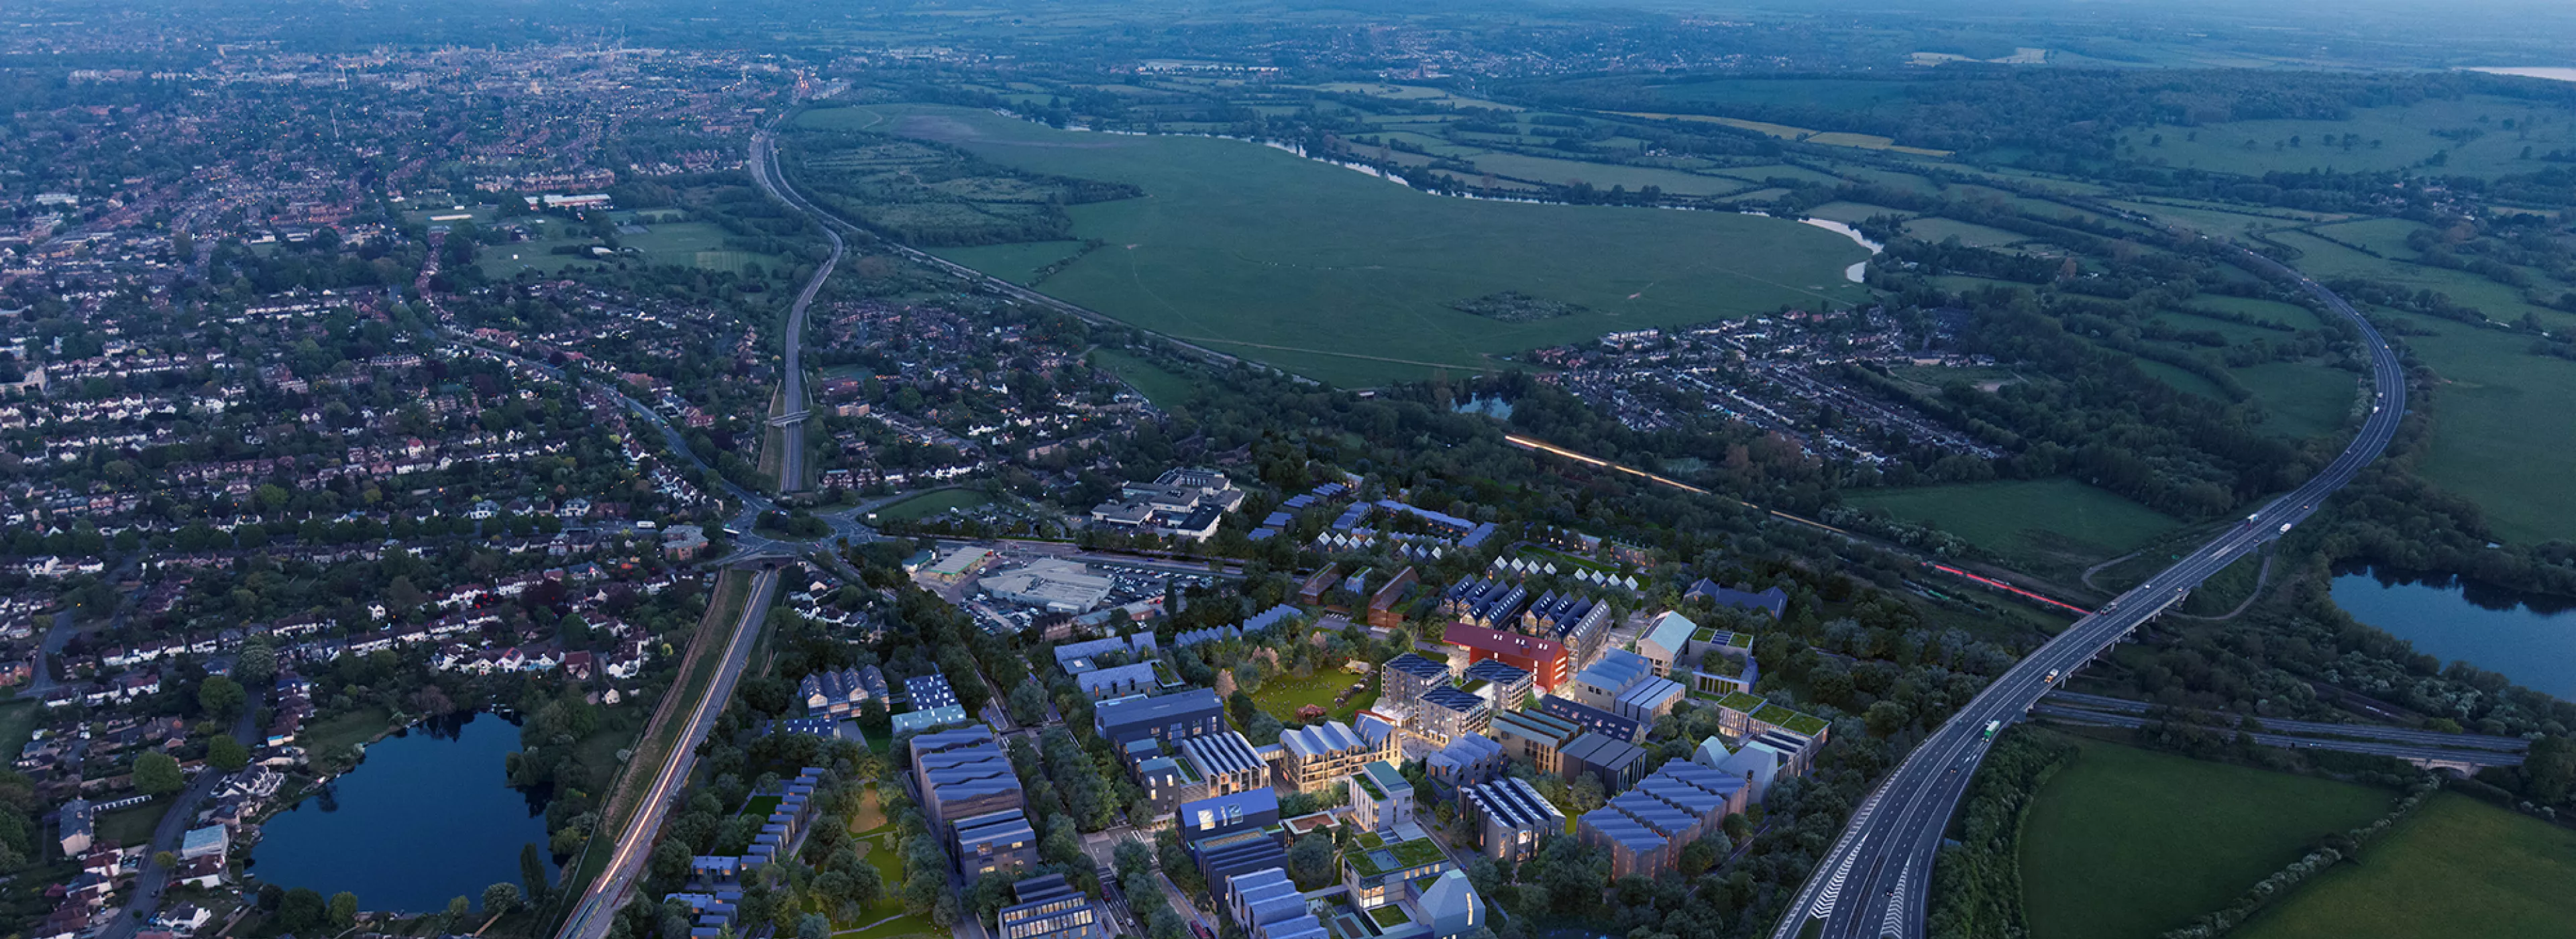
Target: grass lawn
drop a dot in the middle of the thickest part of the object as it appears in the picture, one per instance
(1160, 385)
(877, 850)
(2500, 424)
(2458, 867)
(2128, 843)
(340, 730)
(2039, 516)
(1341, 277)
(932, 503)
(132, 826)
(1283, 695)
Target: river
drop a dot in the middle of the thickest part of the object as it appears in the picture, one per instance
(428, 816)
(2531, 640)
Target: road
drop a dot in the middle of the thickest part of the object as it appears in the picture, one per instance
(793, 405)
(1873, 881)
(2403, 751)
(2422, 738)
(598, 907)
(152, 884)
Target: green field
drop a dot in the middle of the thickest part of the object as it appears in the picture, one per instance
(2048, 516)
(1160, 385)
(1282, 695)
(1017, 263)
(2490, 441)
(2390, 138)
(1937, 230)
(2457, 867)
(932, 503)
(1337, 276)
(2301, 399)
(132, 826)
(349, 728)
(2127, 843)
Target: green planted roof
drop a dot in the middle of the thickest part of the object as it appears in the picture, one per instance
(1795, 721)
(1744, 701)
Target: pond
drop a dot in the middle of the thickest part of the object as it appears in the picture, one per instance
(428, 816)
(2529, 639)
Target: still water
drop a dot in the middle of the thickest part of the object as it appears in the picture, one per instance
(428, 816)
(2529, 639)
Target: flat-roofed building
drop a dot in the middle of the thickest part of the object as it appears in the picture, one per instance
(1615, 763)
(1315, 757)
(1404, 678)
(1446, 713)
(1616, 671)
(1380, 797)
(1500, 684)
(1166, 718)
(1510, 818)
(1593, 719)
(1214, 816)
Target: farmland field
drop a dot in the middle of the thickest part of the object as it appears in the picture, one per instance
(2457, 867)
(2019, 518)
(2384, 138)
(2127, 843)
(1017, 263)
(2501, 428)
(1252, 250)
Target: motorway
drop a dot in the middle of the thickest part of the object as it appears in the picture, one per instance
(590, 918)
(793, 406)
(1873, 882)
(2432, 739)
(2479, 756)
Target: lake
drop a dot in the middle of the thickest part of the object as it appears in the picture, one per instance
(2531, 640)
(2551, 73)
(428, 816)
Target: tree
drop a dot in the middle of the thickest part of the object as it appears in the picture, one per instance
(227, 754)
(532, 870)
(157, 773)
(164, 860)
(256, 663)
(499, 899)
(457, 908)
(302, 911)
(221, 697)
(1310, 861)
(813, 926)
(344, 910)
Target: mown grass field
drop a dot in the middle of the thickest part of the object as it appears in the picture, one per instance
(1017, 263)
(1160, 385)
(2502, 432)
(1337, 276)
(932, 503)
(2128, 843)
(2458, 867)
(2301, 399)
(1282, 695)
(2018, 518)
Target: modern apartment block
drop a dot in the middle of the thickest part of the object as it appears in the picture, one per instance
(1319, 756)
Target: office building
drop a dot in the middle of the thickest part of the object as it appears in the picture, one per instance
(996, 842)
(1535, 736)
(1544, 659)
(1510, 818)
(1614, 762)
(1049, 908)
(1165, 718)
(1226, 761)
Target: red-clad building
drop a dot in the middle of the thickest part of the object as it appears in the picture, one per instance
(1544, 659)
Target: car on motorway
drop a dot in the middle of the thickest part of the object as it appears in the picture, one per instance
(2050, 678)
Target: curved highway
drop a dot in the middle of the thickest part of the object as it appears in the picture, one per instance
(793, 406)
(1872, 883)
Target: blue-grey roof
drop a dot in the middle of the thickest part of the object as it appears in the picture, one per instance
(1774, 601)
(1418, 667)
(1618, 827)
(1497, 671)
(1221, 753)
(1322, 739)
(1454, 699)
(1515, 803)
